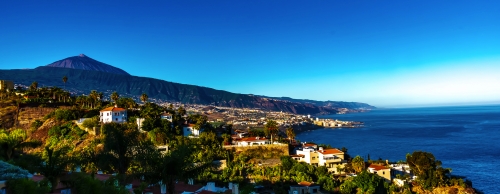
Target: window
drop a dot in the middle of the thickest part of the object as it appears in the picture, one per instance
(383, 172)
(116, 119)
(315, 190)
(107, 114)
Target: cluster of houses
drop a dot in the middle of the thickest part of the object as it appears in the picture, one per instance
(309, 153)
(119, 115)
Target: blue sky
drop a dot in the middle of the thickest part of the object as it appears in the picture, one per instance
(385, 53)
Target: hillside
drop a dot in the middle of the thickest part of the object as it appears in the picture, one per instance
(86, 74)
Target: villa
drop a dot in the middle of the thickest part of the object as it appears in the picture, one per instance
(249, 141)
(113, 114)
(319, 156)
(190, 131)
(380, 170)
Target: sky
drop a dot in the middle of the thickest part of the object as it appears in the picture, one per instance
(385, 53)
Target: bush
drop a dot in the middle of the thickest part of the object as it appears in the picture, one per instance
(83, 183)
(36, 124)
(90, 123)
(25, 186)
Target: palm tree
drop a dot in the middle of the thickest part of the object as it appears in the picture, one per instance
(54, 165)
(144, 97)
(65, 79)
(290, 133)
(93, 97)
(271, 128)
(34, 85)
(115, 96)
(16, 139)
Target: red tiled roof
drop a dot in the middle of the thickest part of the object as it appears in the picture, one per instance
(377, 167)
(309, 144)
(330, 151)
(299, 155)
(305, 183)
(181, 187)
(102, 177)
(252, 139)
(166, 114)
(113, 109)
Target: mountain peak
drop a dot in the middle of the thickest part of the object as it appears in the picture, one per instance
(86, 63)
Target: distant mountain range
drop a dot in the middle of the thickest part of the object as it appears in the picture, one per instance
(86, 74)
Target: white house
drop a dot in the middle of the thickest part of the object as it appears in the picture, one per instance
(113, 114)
(249, 141)
(167, 116)
(190, 131)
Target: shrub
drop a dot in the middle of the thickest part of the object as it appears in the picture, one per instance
(90, 123)
(36, 124)
(25, 186)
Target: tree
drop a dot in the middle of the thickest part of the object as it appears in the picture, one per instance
(16, 139)
(168, 168)
(287, 162)
(428, 170)
(151, 110)
(54, 165)
(65, 79)
(34, 86)
(118, 147)
(144, 97)
(364, 182)
(115, 96)
(358, 164)
(290, 133)
(126, 102)
(271, 128)
(93, 97)
(181, 111)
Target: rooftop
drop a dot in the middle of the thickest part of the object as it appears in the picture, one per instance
(113, 109)
(330, 151)
(377, 167)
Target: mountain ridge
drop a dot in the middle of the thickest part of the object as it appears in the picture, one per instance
(82, 81)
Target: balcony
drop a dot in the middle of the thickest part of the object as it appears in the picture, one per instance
(332, 159)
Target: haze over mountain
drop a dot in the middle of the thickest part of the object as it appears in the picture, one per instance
(86, 63)
(86, 74)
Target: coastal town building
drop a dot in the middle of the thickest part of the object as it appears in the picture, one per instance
(380, 170)
(190, 131)
(250, 141)
(113, 114)
(331, 158)
(166, 116)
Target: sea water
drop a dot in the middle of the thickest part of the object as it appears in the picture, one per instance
(466, 139)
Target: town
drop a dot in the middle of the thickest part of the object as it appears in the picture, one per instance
(54, 142)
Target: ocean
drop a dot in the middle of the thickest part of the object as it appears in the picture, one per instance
(465, 139)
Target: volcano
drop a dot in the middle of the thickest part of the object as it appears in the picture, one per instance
(84, 62)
